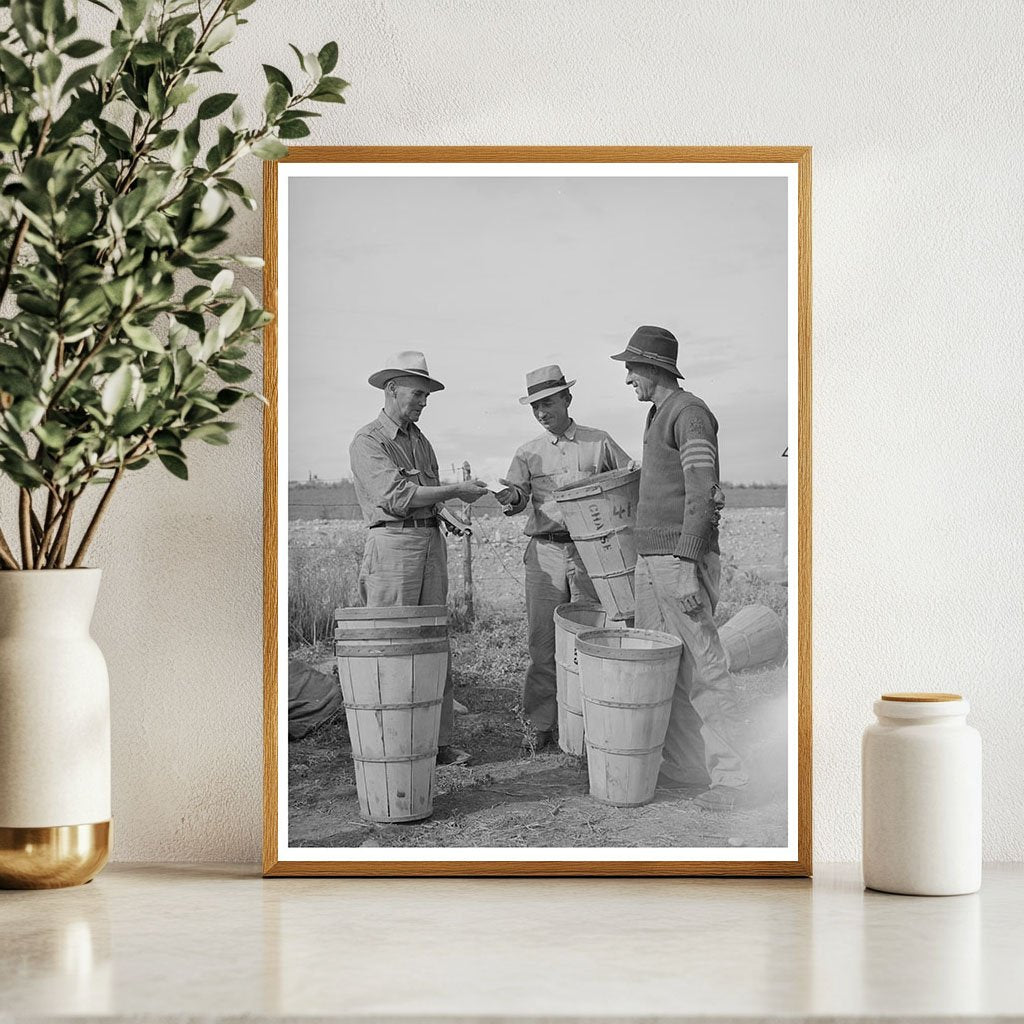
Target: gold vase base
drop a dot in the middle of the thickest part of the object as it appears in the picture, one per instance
(53, 857)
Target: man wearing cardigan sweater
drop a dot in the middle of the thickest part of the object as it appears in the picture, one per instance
(678, 570)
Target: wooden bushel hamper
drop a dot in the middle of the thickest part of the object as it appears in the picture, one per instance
(599, 514)
(627, 679)
(392, 664)
(753, 636)
(570, 620)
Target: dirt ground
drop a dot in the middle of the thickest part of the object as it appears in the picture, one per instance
(506, 799)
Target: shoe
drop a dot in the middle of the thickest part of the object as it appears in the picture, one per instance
(666, 782)
(449, 755)
(718, 798)
(459, 708)
(536, 740)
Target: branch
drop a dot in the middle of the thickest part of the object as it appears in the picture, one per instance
(60, 544)
(96, 517)
(25, 522)
(6, 555)
(22, 229)
(84, 359)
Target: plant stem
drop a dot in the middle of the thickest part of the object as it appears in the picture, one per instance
(60, 544)
(96, 517)
(22, 229)
(6, 555)
(25, 522)
(86, 357)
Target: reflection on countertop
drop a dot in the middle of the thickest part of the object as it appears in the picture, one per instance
(179, 941)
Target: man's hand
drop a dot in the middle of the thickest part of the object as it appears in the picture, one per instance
(469, 490)
(688, 587)
(505, 497)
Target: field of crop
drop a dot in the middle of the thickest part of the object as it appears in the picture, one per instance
(505, 798)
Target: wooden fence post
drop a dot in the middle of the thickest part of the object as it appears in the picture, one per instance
(467, 560)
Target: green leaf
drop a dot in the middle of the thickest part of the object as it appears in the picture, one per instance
(216, 104)
(149, 53)
(174, 464)
(293, 130)
(116, 390)
(221, 35)
(184, 44)
(16, 70)
(21, 471)
(269, 149)
(133, 13)
(78, 78)
(156, 100)
(109, 65)
(53, 14)
(49, 68)
(222, 281)
(239, 5)
(83, 48)
(232, 319)
(53, 435)
(276, 76)
(144, 338)
(334, 84)
(128, 421)
(25, 414)
(181, 94)
(328, 57)
(232, 373)
(276, 99)
(227, 397)
(211, 433)
(193, 379)
(324, 96)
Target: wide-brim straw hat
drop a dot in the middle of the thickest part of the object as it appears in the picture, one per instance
(544, 381)
(654, 346)
(405, 364)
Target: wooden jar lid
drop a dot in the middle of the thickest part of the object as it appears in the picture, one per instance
(921, 698)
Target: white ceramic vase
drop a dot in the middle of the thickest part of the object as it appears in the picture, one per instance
(54, 731)
(921, 773)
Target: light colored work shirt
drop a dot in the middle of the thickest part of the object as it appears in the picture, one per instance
(388, 463)
(547, 462)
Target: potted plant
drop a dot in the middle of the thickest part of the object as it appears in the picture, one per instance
(122, 341)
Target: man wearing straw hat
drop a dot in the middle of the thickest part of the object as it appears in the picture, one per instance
(678, 570)
(394, 467)
(565, 453)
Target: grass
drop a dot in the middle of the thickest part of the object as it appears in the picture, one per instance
(504, 798)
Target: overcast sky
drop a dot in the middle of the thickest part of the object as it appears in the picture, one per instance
(492, 277)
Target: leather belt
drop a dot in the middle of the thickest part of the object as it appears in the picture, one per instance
(408, 524)
(556, 538)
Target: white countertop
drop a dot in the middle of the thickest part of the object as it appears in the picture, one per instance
(173, 942)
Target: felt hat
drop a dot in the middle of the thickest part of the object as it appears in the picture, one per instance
(405, 364)
(654, 346)
(544, 381)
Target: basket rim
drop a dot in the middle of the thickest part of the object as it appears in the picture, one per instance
(627, 475)
(401, 611)
(589, 642)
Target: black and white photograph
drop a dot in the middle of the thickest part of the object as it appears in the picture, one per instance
(537, 530)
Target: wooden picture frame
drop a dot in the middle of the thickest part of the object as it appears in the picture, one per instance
(791, 163)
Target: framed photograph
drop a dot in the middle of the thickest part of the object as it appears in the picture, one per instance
(538, 511)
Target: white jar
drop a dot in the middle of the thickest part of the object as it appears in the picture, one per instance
(921, 778)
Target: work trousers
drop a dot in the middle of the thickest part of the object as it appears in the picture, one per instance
(554, 575)
(702, 744)
(409, 567)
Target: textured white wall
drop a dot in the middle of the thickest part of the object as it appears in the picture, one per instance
(914, 113)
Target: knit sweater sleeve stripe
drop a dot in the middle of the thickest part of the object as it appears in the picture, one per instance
(698, 455)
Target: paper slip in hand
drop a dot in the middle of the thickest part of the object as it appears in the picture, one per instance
(494, 487)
